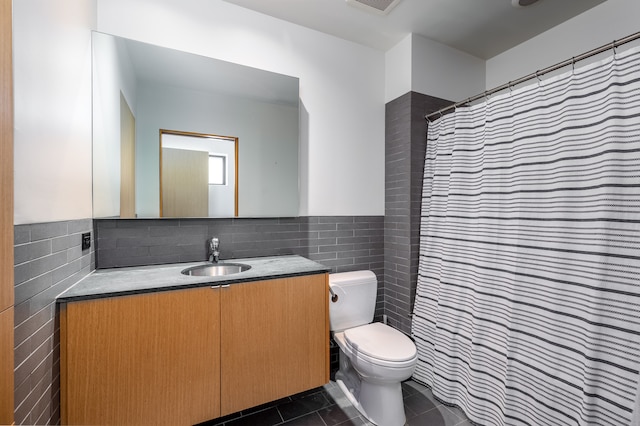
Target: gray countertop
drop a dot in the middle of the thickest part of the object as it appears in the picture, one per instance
(143, 279)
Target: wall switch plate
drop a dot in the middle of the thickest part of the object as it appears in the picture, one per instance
(86, 240)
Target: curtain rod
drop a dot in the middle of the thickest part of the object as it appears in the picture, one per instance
(538, 73)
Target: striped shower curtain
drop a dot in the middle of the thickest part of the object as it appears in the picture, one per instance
(527, 309)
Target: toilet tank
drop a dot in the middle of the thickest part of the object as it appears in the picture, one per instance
(356, 302)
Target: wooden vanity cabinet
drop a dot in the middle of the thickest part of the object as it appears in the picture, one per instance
(188, 356)
(152, 358)
(275, 338)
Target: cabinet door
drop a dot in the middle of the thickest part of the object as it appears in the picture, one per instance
(274, 340)
(142, 359)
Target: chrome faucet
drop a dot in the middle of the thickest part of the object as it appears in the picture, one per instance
(214, 250)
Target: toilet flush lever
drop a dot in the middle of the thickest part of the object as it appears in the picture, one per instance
(334, 297)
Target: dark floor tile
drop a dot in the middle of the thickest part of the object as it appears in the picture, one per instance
(417, 386)
(420, 388)
(311, 419)
(417, 404)
(265, 406)
(461, 414)
(408, 390)
(300, 406)
(356, 421)
(336, 414)
(426, 391)
(336, 396)
(439, 416)
(268, 417)
(328, 406)
(307, 393)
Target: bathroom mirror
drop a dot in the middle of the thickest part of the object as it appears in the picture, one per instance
(139, 90)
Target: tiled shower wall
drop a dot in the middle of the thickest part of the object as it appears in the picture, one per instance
(405, 146)
(48, 260)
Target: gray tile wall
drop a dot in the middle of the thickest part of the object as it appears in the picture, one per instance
(405, 145)
(48, 260)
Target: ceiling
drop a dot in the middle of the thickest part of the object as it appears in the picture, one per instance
(483, 28)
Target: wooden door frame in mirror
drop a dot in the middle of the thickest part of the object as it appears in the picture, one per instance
(206, 136)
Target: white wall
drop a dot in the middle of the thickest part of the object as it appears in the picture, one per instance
(611, 20)
(444, 72)
(397, 69)
(52, 92)
(341, 88)
(425, 66)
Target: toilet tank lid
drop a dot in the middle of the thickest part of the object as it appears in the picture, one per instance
(380, 341)
(352, 278)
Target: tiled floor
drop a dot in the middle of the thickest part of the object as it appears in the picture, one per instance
(327, 406)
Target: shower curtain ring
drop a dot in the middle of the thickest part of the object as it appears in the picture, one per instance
(573, 64)
(614, 47)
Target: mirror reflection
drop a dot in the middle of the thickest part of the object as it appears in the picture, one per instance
(198, 175)
(144, 96)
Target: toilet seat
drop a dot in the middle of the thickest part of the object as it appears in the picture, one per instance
(379, 344)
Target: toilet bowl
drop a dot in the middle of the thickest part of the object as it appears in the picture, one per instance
(374, 358)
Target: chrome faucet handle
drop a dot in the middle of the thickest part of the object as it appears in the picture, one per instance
(214, 249)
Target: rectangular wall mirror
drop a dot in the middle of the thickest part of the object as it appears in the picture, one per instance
(141, 90)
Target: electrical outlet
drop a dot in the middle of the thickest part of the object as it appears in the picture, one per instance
(86, 240)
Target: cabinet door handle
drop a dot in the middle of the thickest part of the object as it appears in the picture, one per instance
(225, 286)
(215, 286)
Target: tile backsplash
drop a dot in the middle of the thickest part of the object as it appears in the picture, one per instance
(342, 243)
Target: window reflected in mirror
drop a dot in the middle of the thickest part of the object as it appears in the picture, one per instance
(217, 169)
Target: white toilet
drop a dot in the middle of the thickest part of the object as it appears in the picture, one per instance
(374, 358)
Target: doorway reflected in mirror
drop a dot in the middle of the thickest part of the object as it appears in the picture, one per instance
(198, 174)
